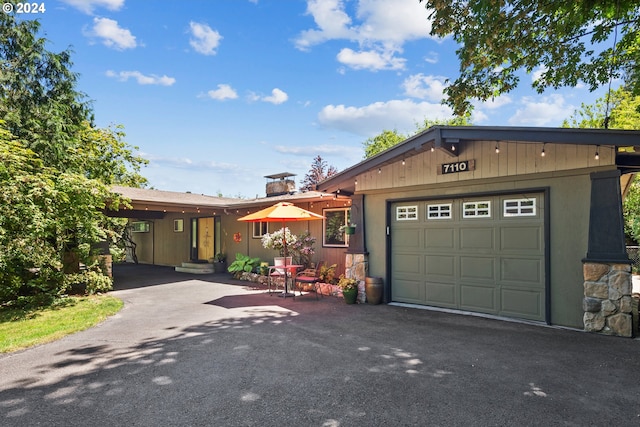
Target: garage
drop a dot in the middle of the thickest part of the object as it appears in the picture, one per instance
(520, 223)
(477, 253)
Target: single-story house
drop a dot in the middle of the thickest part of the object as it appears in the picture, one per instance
(186, 230)
(521, 223)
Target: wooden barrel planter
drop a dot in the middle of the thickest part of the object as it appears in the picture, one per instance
(374, 288)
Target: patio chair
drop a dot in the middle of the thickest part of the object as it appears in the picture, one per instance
(275, 279)
(310, 276)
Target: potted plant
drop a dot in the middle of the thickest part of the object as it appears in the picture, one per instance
(349, 228)
(220, 263)
(349, 289)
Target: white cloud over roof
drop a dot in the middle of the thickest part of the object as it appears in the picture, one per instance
(142, 79)
(371, 59)
(277, 96)
(204, 39)
(541, 111)
(425, 87)
(379, 28)
(111, 34)
(371, 119)
(223, 92)
(88, 6)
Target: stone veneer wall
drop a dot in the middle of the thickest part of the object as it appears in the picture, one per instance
(356, 267)
(607, 302)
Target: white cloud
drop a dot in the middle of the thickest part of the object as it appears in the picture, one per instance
(392, 21)
(88, 6)
(204, 39)
(433, 58)
(332, 21)
(537, 73)
(188, 163)
(425, 87)
(497, 102)
(371, 60)
(372, 119)
(541, 111)
(382, 27)
(223, 92)
(112, 35)
(142, 79)
(480, 115)
(277, 97)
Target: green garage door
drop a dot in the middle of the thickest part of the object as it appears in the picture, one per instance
(482, 254)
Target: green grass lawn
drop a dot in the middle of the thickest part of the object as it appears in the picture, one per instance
(20, 329)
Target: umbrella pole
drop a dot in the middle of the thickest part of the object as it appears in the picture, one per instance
(286, 269)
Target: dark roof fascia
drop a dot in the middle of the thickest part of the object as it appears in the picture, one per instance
(438, 136)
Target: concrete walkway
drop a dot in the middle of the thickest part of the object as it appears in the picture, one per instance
(207, 351)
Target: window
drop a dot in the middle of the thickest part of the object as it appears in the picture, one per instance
(333, 223)
(260, 229)
(476, 209)
(178, 225)
(406, 213)
(439, 211)
(140, 227)
(520, 207)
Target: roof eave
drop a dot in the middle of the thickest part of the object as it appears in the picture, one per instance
(439, 137)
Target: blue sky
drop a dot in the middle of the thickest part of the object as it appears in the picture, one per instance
(219, 93)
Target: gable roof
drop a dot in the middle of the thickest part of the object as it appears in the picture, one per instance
(451, 139)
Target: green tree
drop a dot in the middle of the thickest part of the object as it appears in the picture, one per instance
(319, 171)
(620, 110)
(382, 141)
(569, 42)
(389, 138)
(55, 170)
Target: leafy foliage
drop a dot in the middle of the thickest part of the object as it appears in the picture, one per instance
(277, 240)
(55, 171)
(319, 172)
(389, 138)
(302, 249)
(382, 141)
(327, 273)
(569, 42)
(623, 113)
(243, 264)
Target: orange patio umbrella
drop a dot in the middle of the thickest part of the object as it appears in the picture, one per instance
(282, 212)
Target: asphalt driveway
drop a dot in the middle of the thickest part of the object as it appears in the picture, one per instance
(206, 351)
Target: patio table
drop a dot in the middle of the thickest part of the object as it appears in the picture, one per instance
(289, 273)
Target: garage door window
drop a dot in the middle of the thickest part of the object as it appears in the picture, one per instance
(406, 213)
(476, 209)
(439, 211)
(520, 207)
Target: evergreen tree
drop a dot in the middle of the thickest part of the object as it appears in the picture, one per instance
(55, 171)
(319, 172)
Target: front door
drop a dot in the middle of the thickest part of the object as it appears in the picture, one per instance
(202, 238)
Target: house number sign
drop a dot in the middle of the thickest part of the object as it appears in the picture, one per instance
(463, 166)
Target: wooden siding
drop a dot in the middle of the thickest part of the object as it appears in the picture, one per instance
(161, 245)
(514, 158)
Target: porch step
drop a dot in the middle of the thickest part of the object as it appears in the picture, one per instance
(195, 268)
